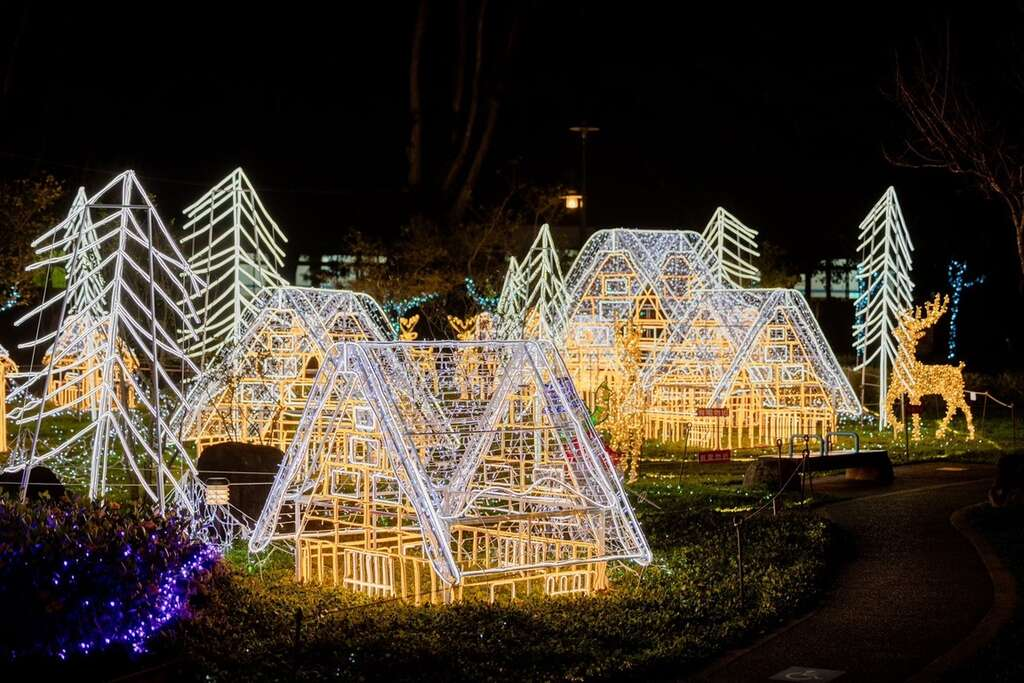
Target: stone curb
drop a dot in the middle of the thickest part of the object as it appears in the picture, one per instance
(1004, 603)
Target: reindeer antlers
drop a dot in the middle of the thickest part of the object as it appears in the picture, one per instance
(920, 318)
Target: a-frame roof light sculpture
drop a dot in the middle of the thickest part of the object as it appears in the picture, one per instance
(482, 459)
(255, 389)
(144, 275)
(733, 247)
(704, 342)
(235, 245)
(886, 291)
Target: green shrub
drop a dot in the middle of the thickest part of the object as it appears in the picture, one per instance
(78, 577)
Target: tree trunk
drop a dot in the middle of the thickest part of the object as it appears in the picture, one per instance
(466, 193)
(415, 150)
(474, 104)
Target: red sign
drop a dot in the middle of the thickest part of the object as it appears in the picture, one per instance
(915, 409)
(712, 412)
(724, 455)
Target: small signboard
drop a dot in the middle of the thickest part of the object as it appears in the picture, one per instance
(712, 412)
(723, 455)
(915, 408)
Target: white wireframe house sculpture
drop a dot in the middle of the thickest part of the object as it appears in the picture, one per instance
(475, 473)
(141, 275)
(236, 246)
(886, 292)
(255, 390)
(733, 247)
(703, 344)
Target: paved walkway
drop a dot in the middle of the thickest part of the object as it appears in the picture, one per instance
(914, 588)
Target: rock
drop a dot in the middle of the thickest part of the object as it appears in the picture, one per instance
(1008, 488)
(249, 468)
(42, 481)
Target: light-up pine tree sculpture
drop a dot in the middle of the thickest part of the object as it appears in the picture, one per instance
(86, 267)
(236, 246)
(136, 313)
(544, 287)
(886, 292)
(511, 301)
(732, 247)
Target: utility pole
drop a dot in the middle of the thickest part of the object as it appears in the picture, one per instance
(583, 130)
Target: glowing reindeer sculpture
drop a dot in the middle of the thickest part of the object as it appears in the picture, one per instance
(918, 379)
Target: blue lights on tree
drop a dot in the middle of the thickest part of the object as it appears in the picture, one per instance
(399, 309)
(958, 282)
(487, 303)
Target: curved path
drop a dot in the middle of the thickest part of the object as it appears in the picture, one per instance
(915, 588)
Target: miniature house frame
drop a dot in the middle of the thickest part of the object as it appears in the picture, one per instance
(7, 367)
(77, 373)
(432, 471)
(704, 343)
(255, 389)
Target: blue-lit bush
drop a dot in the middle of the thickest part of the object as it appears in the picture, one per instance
(77, 577)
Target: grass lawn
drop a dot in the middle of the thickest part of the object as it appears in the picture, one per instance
(662, 622)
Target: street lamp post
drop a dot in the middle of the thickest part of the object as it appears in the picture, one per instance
(583, 130)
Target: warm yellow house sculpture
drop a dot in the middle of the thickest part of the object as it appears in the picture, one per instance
(7, 367)
(255, 389)
(705, 344)
(434, 485)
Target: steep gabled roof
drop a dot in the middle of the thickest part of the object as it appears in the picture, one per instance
(788, 306)
(324, 317)
(445, 432)
(669, 262)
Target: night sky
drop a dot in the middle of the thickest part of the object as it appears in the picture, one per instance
(777, 114)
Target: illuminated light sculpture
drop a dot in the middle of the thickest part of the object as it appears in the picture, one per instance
(7, 367)
(886, 292)
(732, 246)
(254, 391)
(536, 292)
(917, 379)
(236, 246)
(407, 328)
(759, 353)
(74, 374)
(512, 301)
(629, 406)
(479, 327)
(433, 489)
(956, 276)
(144, 275)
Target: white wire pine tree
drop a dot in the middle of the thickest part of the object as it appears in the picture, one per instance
(886, 291)
(734, 248)
(544, 287)
(144, 275)
(236, 246)
(511, 301)
(80, 232)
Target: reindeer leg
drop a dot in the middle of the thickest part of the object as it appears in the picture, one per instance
(966, 409)
(916, 400)
(951, 405)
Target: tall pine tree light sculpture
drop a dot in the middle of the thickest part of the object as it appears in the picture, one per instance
(236, 246)
(886, 292)
(533, 295)
(144, 276)
(732, 246)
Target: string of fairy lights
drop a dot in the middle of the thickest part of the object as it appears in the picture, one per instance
(956, 276)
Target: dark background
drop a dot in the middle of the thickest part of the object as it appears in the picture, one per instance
(779, 114)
